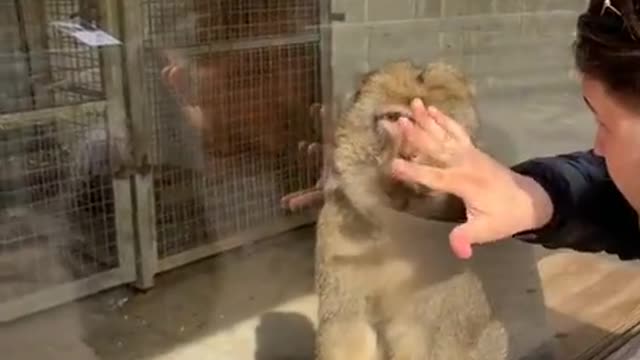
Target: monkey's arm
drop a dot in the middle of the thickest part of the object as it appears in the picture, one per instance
(590, 213)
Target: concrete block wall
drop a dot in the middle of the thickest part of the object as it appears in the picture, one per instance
(501, 43)
(518, 52)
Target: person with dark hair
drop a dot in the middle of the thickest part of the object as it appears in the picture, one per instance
(585, 200)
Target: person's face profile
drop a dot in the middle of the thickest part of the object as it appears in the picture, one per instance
(617, 136)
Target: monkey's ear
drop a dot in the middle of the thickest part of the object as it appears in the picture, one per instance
(362, 79)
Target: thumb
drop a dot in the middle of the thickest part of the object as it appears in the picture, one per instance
(463, 236)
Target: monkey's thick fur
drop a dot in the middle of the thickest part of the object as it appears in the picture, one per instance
(387, 283)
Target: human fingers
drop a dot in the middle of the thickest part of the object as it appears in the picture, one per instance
(460, 245)
(424, 120)
(423, 144)
(448, 125)
(474, 231)
(431, 177)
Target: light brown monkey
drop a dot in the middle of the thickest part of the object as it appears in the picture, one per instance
(388, 286)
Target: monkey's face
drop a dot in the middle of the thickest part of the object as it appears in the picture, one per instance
(394, 86)
(386, 94)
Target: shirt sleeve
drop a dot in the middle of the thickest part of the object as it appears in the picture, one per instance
(590, 213)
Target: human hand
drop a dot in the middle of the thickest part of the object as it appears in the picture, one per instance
(498, 201)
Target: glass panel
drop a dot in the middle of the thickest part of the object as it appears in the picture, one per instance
(187, 180)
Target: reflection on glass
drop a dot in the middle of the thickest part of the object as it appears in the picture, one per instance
(162, 164)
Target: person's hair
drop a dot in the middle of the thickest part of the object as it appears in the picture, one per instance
(607, 46)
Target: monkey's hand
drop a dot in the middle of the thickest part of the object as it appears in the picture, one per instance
(175, 77)
(313, 196)
(315, 153)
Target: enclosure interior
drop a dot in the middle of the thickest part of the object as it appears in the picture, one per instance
(142, 182)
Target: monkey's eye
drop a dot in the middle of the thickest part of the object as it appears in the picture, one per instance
(393, 116)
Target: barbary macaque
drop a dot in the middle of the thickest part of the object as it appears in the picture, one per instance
(387, 288)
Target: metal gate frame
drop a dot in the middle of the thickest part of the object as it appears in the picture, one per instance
(130, 149)
(114, 105)
(147, 261)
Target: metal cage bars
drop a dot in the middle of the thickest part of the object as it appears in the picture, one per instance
(188, 212)
(113, 83)
(107, 238)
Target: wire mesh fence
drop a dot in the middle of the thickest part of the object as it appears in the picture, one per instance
(57, 213)
(75, 67)
(55, 218)
(251, 71)
(203, 22)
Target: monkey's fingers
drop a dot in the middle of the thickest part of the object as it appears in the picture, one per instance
(164, 74)
(310, 148)
(316, 111)
(302, 199)
(195, 116)
(173, 77)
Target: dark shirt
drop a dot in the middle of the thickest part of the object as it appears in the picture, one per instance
(590, 213)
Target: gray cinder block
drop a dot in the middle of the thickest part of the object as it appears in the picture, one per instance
(380, 10)
(354, 10)
(413, 40)
(428, 8)
(466, 7)
(548, 5)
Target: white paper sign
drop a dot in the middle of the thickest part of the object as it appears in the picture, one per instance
(90, 37)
